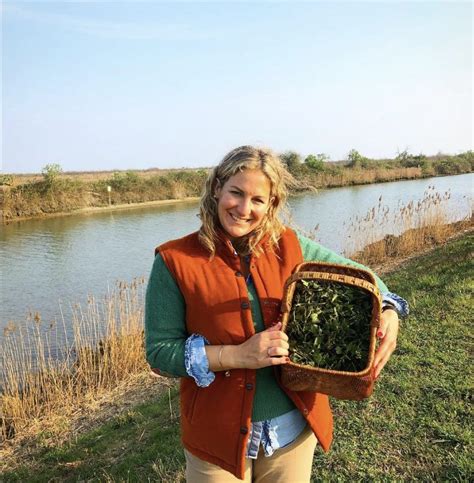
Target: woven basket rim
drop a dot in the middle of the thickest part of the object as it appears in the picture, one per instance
(289, 289)
(321, 370)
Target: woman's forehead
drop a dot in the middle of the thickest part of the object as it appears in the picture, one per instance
(252, 180)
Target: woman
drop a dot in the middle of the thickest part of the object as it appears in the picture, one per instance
(212, 306)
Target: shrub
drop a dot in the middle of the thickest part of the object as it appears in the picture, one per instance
(124, 181)
(51, 173)
(292, 161)
(316, 162)
(356, 160)
(406, 160)
(6, 179)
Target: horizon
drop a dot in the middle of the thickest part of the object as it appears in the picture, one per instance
(156, 85)
(194, 168)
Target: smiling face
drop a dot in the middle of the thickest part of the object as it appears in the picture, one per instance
(243, 202)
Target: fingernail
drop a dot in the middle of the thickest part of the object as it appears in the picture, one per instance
(379, 333)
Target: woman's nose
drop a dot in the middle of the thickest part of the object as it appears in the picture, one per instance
(244, 207)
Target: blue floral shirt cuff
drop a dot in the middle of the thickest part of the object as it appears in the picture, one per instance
(393, 300)
(196, 362)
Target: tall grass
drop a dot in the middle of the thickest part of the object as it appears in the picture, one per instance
(332, 178)
(413, 226)
(49, 369)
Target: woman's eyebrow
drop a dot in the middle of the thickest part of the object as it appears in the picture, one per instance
(234, 187)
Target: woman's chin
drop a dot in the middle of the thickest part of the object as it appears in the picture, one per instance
(235, 231)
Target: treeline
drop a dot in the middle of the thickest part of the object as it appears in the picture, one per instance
(438, 165)
(56, 192)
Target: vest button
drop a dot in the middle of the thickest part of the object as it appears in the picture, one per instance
(238, 274)
(305, 411)
(245, 305)
(249, 386)
(243, 430)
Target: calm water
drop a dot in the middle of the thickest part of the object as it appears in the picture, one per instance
(52, 263)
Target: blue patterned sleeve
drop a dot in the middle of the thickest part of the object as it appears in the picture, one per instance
(196, 362)
(396, 302)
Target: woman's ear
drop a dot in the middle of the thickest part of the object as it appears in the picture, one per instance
(217, 189)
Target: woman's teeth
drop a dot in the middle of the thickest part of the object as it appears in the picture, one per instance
(238, 220)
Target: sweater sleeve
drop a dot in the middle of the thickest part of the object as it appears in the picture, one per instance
(165, 328)
(313, 251)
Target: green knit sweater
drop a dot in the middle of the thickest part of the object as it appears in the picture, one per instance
(166, 334)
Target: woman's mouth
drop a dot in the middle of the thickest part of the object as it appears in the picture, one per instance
(238, 219)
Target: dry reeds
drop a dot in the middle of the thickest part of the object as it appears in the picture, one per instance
(50, 369)
(415, 226)
(350, 177)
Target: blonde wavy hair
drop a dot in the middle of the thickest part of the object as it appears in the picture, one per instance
(237, 160)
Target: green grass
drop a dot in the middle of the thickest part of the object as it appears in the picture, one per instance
(416, 426)
(139, 445)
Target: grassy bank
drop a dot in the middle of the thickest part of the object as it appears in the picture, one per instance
(28, 196)
(416, 426)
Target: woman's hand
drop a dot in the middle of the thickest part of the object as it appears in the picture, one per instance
(387, 334)
(262, 349)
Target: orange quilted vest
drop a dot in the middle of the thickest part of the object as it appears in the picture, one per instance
(215, 420)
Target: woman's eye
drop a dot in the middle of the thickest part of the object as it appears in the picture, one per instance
(235, 192)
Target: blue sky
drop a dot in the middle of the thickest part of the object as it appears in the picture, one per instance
(132, 85)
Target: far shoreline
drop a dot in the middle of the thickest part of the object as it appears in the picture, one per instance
(103, 209)
(192, 199)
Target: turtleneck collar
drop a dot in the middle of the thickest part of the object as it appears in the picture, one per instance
(225, 246)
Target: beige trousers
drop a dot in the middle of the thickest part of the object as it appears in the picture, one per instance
(291, 464)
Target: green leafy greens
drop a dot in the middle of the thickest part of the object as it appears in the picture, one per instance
(329, 325)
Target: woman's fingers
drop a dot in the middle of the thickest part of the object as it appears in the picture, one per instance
(273, 351)
(276, 361)
(387, 333)
(274, 333)
(266, 348)
(277, 344)
(277, 335)
(274, 328)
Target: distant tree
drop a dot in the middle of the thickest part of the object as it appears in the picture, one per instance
(355, 159)
(51, 172)
(316, 162)
(469, 157)
(407, 160)
(292, 160)
(124, 180)
(403, 156)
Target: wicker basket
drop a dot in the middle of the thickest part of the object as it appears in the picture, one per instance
(339, 384)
